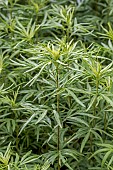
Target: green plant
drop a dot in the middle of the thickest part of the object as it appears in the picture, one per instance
(7, 161)
(56, 85)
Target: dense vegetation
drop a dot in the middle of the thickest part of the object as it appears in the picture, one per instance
(56, 85)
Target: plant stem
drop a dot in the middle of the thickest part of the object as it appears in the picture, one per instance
(94, 110)
(105, 124)
(94, 106)
(96, 6)
(108, 11)
(68, 30)
(58, 130)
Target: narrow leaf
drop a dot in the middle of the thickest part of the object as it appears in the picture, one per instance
(28, 121)
(41, 116)
(57, 118)
(84, 141)
(108, 100)
(75, 97)
(106, 157)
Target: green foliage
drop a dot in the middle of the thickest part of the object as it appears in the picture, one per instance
(56, 85)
